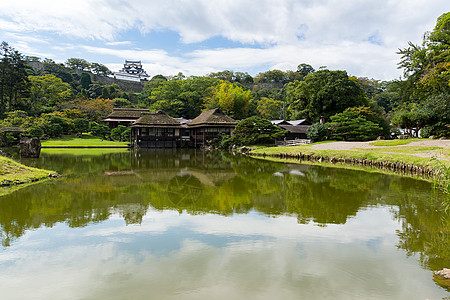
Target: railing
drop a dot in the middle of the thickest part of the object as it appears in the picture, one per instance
(296, 142)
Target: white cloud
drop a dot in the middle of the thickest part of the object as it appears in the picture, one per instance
(359, 36)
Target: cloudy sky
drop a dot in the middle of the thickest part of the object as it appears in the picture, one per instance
(197, 37)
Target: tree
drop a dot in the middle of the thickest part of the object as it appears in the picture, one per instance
(353, 125)
(317, 132)
(305, 69)
(100, 69)
(323, 93)
(100, 130)
(14, 83)
(269, 108)
(85, 80)
(48, 90)
(274, 76)
(427, 67)
(117, 133)
(81, 125)
(254, 130)
(230, 98)
(78, 64)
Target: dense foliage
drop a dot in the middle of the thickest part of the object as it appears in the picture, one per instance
(50, 99)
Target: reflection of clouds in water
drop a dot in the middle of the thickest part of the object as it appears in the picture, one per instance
(369, 224)
(248, 269)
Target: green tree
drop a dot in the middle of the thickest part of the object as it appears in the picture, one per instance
(100, 69)
(81, 125)
(100, 130)
(117, 133)
(14, 83)
(323, 93)
(254, 130)
(317, 132)
(230, 98)
(353, 125)
(85, 80)
(48, 90)
(427, 67)
(305, 69)
(78, 64)
(269, 108)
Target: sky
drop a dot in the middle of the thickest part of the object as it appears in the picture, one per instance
(197, 37)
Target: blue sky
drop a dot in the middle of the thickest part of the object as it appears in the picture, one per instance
(197, 37)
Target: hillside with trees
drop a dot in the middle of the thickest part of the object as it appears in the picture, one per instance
(49, 99)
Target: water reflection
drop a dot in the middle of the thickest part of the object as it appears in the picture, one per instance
(130, 184)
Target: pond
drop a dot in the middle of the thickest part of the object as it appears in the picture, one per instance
(173, 224)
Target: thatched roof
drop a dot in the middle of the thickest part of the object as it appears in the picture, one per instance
(127, 113)
(213, 117)
(159, 118)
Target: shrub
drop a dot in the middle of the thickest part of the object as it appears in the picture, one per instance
(317, 132)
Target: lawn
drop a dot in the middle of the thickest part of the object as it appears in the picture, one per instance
(393, 142)
(86, 140)
(12, 173)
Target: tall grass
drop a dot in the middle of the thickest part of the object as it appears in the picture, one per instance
(441, 184)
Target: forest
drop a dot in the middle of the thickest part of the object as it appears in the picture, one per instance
(58, 99)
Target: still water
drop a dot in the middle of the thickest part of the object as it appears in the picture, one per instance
(170, 224)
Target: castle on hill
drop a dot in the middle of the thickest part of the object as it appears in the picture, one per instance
(132, 71)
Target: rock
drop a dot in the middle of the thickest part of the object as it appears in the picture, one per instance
(444, 273)
(30, 147)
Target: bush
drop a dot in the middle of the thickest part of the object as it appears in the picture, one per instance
(54, 130)
(81, 125)
(34, 131)
(255, 130)
(116, 133)
(100, 130)
(317, 132)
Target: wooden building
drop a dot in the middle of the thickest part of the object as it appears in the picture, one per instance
(157, 130)
(297, 129)
(124, 116)
(209, 125)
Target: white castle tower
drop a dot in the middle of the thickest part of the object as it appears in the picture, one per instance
(132, 71)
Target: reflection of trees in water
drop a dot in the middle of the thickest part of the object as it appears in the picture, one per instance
(221, 183)
(425, 228)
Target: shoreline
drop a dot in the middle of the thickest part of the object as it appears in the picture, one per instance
(422, 158)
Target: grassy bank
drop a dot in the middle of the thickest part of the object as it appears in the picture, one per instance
(417, 155)
(13, 173)
(86, 141)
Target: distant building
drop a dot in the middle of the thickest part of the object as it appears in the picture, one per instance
(297, 129)
(124, 116)
(132, 71)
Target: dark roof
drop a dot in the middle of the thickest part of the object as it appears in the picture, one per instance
(280, 122)
(299, 122)
(127, 113)
(159, 118)
(213, 117)
(295, 129)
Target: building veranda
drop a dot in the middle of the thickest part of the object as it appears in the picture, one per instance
(159, 130)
